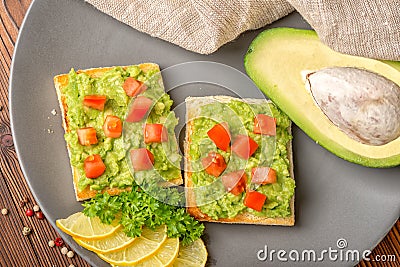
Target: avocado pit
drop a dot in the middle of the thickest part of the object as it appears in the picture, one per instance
(362, 104)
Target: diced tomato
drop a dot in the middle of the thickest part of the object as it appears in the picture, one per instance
(235, 182)
(155, 133)
(264, 124)
(142, 159)
(94, 166)
(220, 135)
(95, 101)
(263, 175)
(244, 146)
(87, 136)
(133, 87)
(139, 109)
(214, 164)
(112, 126)
(254, 200)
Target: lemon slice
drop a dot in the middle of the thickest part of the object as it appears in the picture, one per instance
(184, 263)
(150, 262)
(83, 227)
(142, 248)
(168, 252)
(158, 235)
(192, 255)
(165, 256)
(117, 241)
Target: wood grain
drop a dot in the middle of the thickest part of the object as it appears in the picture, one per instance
(15, 248)
(33, 250)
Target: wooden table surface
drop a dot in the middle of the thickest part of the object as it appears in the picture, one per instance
(33, 250)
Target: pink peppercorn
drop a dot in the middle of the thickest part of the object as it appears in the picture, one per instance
(39, 215)
(58, 242)
(29, 212)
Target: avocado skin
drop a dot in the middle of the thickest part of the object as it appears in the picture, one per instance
(277, 94)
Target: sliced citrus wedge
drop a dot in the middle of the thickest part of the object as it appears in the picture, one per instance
(158, 235)
(142, 248)
(165, 256)
(184, 263)
(192, 255)
(117, 241)
(169, 252)
(78, 225)
(150, 262)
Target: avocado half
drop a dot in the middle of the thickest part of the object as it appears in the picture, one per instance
(275, 61)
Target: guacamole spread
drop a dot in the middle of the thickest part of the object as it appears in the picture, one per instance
(271, 152)
(114, 150)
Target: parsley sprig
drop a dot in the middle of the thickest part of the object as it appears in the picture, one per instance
(136, 208)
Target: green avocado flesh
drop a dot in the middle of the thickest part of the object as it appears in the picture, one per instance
(272, 151)
(113, 150)
(275, 61)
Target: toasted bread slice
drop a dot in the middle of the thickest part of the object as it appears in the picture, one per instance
(193, 105)
(61, 82)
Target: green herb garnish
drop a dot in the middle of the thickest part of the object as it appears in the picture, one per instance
(136, 208)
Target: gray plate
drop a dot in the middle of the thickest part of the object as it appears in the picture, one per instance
(334, 199)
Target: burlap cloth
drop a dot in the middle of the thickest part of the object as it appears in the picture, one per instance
(369, 28)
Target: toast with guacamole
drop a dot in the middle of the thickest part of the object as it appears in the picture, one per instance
(110, 114)
(238, 161)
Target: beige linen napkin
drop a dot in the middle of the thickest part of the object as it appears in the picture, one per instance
(368, 28)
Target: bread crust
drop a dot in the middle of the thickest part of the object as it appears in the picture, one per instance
(193, 105)
(60, 82)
